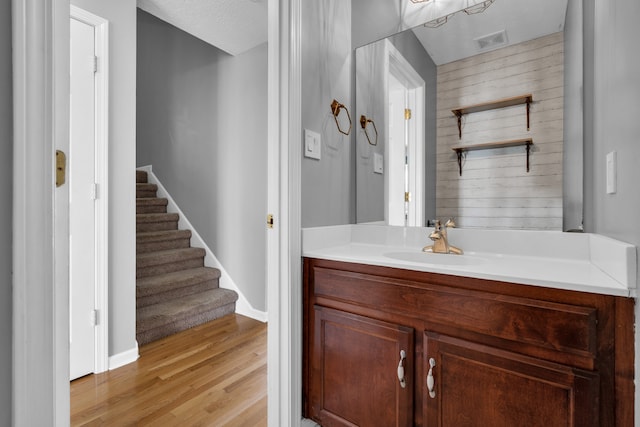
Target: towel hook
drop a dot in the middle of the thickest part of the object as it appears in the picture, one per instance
(335, 110)
(363, 122)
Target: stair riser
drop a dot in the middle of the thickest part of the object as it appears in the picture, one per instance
(169, 267)
(146, 247)
(140, 194)
(156, 226)
(144, 301)
(177, 325)
(141, 177)
(151, 209)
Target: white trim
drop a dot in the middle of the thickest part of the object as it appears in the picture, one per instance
(284, 289)
(101, 29)
(129, 356)
(243, 306)
(41, 121)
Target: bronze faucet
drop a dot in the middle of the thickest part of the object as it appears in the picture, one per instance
(440, 242)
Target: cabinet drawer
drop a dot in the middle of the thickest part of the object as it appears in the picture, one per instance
(536, 325)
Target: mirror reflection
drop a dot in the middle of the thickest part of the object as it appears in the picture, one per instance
(427, 164)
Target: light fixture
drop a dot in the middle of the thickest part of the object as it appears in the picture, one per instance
(478, 8)
(471, 10)
(437, 22)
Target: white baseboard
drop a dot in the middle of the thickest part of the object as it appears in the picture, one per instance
(124, 358)
(243, 306)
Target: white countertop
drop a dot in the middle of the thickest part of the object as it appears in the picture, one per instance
(572, 261)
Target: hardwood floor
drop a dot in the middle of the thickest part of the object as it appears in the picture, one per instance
(211, 375)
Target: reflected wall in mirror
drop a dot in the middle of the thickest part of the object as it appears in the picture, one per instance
(513, 48)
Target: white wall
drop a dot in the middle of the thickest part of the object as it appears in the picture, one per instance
(616, 128)
(121, 15)
(328, 185)
(495, 189)
(6, 174)
(202, 125)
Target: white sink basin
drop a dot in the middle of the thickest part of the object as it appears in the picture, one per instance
(435, 259)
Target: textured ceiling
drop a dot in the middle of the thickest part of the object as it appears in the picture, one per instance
(522, 20)
(233, 26)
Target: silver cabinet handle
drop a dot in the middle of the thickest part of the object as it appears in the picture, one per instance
(403, 356)
(430, 380)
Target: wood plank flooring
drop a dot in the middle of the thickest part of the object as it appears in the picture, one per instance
(212, 375)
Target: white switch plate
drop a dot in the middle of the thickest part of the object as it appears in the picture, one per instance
(378, 163)
(612, 172)
(312, 144)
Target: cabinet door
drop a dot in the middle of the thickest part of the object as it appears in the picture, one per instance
(477, 385)
(354, 371)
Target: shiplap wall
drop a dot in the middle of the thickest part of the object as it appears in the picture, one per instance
(495, 190)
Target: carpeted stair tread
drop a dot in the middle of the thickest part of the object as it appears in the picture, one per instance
(146, 190)
(167, 256)
(151, 205)
(177, 279)
(151, 241)
(156, 222)
(168, 261)
(166, 318)
(161, 235)
(156, 217)
(165, 287)
(141, 177)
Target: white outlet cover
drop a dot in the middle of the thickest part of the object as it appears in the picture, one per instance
(378, 163)
(612, 172)
(312, 144)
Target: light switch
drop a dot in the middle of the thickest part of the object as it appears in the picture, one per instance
(312, 144)
(612, 172)
(378, 163)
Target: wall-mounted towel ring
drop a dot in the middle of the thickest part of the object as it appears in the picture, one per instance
(363, 123)
(335, 110)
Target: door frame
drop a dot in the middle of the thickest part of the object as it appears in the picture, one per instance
(40, 30)
(101, 80)
(397, 66)
(41, 121)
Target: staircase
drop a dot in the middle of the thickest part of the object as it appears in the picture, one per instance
(174, 290)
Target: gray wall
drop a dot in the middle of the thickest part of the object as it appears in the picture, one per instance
(202, 126)
(121, 15)
(6, 180)
(616, 128)
(328, 185)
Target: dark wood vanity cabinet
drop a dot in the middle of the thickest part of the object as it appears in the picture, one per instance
(476, 352)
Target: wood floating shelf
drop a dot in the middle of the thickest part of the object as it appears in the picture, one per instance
(459, 149)
(492, 105)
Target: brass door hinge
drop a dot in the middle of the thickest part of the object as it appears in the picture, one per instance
(407, 113)
(270, 221)
(61, 167)
(407, 196)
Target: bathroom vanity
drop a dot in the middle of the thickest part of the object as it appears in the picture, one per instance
(395, 338)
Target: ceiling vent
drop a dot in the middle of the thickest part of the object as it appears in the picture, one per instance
(491, 41)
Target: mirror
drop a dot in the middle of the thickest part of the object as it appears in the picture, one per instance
(481, 54)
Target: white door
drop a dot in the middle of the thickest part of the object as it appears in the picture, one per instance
(81, 179)
(396, 155)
